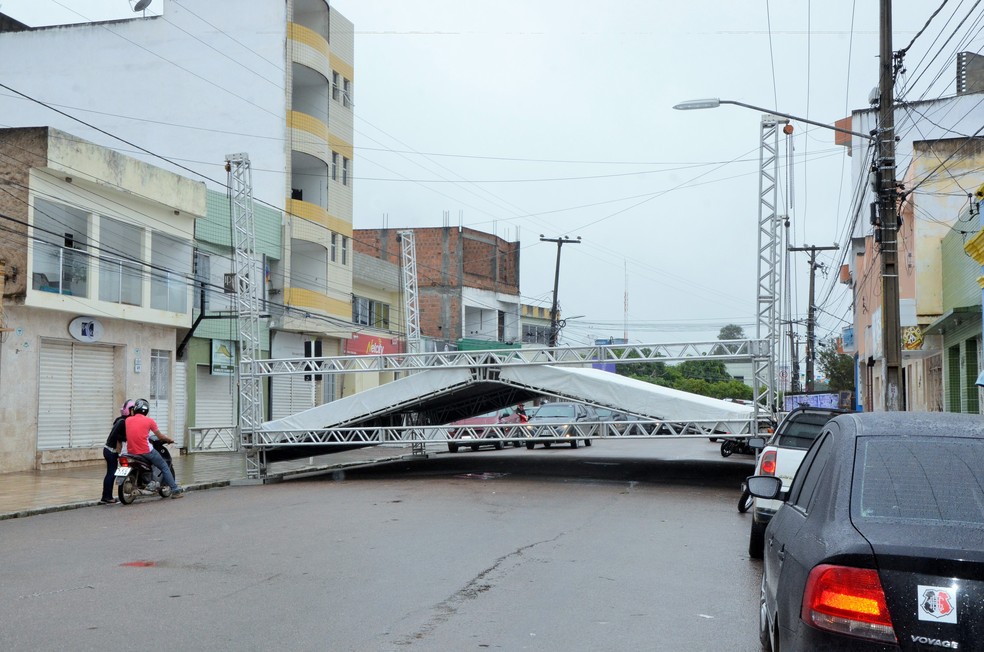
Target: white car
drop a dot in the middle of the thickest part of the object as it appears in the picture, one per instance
(781, 457)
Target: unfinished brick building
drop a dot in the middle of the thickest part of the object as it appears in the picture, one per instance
(467, 282)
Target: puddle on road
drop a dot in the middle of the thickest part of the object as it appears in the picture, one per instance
(481, 476)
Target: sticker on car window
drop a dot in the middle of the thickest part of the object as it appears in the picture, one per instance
(937, 604)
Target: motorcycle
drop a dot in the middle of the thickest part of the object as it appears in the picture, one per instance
(136, 477)
(745, 500)
(730, 446)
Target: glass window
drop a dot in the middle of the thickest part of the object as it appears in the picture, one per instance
(346, 92)
(345, 171)
(61, 258)
(334, 247)
(334, 85)
(811, 478)
(931, 480)
(360, 311)
(120, 278)
(334, 166)
(171, 261)
(345, 242)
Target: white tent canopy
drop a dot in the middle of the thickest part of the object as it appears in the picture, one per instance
(440, 395)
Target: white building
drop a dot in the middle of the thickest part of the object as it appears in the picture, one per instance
(274, 80)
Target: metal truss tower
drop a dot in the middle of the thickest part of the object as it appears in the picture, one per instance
(411, 302)
(248, 281)
(765, 386)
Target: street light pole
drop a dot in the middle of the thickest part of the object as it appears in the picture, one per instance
(553, 309)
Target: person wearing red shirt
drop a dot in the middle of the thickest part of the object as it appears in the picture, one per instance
(138, 429)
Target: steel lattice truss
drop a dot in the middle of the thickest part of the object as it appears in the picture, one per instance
(720, 350)
(765, 389)
(505, 433)
(247, 281)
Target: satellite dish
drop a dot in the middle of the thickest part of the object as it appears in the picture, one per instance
(141, 5)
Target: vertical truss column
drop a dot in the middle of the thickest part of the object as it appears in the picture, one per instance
(765, 386)
(247, 276)
(411, 303)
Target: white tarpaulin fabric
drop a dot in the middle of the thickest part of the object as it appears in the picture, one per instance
(373, 402)
(584, 385)
(625, 394)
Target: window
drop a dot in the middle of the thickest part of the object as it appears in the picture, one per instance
(369, 312)
(345, 250)
(334, 247)
(808, 476)
(61, 259)
(929, 480)
(345, 171)
(334, 166)
(334, 85)
(346, 93)
(171, 262)
(120, 278)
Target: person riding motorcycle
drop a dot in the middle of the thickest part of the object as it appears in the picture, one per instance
(138, 429)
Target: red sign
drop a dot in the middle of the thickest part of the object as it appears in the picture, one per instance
(372, 345)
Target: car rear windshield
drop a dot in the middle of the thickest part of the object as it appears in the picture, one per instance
(932, 480)
(800, 430)
(550, 411)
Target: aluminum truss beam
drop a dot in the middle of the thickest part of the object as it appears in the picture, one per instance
(411, 302)
(765, 387)
(247, 280)
(721, 350)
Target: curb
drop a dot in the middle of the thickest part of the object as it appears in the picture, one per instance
(235, 482)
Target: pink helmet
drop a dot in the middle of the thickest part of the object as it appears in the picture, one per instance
(127, 406)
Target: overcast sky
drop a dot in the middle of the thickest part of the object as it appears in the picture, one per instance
(529, 117)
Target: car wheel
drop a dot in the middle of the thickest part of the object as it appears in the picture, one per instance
(764, 638)
(756, 541)
(587, 442)
(474, 447)
(573, 443)
(530, 445)
(453, 448)
(498, 445)
(546, 444)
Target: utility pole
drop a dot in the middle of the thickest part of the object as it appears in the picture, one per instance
(554, 325)
(888, 219)
(811, 319)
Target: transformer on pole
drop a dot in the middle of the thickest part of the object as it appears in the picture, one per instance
(247, 283)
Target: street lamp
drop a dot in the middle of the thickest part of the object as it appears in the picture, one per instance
(713, 103)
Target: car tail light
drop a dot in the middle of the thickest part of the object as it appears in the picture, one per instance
(769, 463)
(848, 601)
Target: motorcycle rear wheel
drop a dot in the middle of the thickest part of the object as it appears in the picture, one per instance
(127, 491)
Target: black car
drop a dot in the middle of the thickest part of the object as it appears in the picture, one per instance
(879, 543)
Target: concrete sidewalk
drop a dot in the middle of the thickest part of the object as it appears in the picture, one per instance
(27, 493)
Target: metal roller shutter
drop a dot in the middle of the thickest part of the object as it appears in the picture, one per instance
(215, 399)
(180, 402)
(75, 401)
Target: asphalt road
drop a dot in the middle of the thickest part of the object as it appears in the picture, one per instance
(626, 545)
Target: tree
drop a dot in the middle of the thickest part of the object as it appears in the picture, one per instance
(731, 332)
(838, 367)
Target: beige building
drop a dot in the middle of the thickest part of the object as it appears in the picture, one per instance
(98, 266)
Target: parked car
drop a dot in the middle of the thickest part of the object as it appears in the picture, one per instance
(470, 432)
(556, 423)
(781, 456)
(620, 419)
(877, 543)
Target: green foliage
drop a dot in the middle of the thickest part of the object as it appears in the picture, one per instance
(712, 371)
(838, 367)
(731, 332)
(703, 377)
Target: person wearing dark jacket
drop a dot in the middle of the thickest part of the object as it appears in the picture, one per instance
(111, 452)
